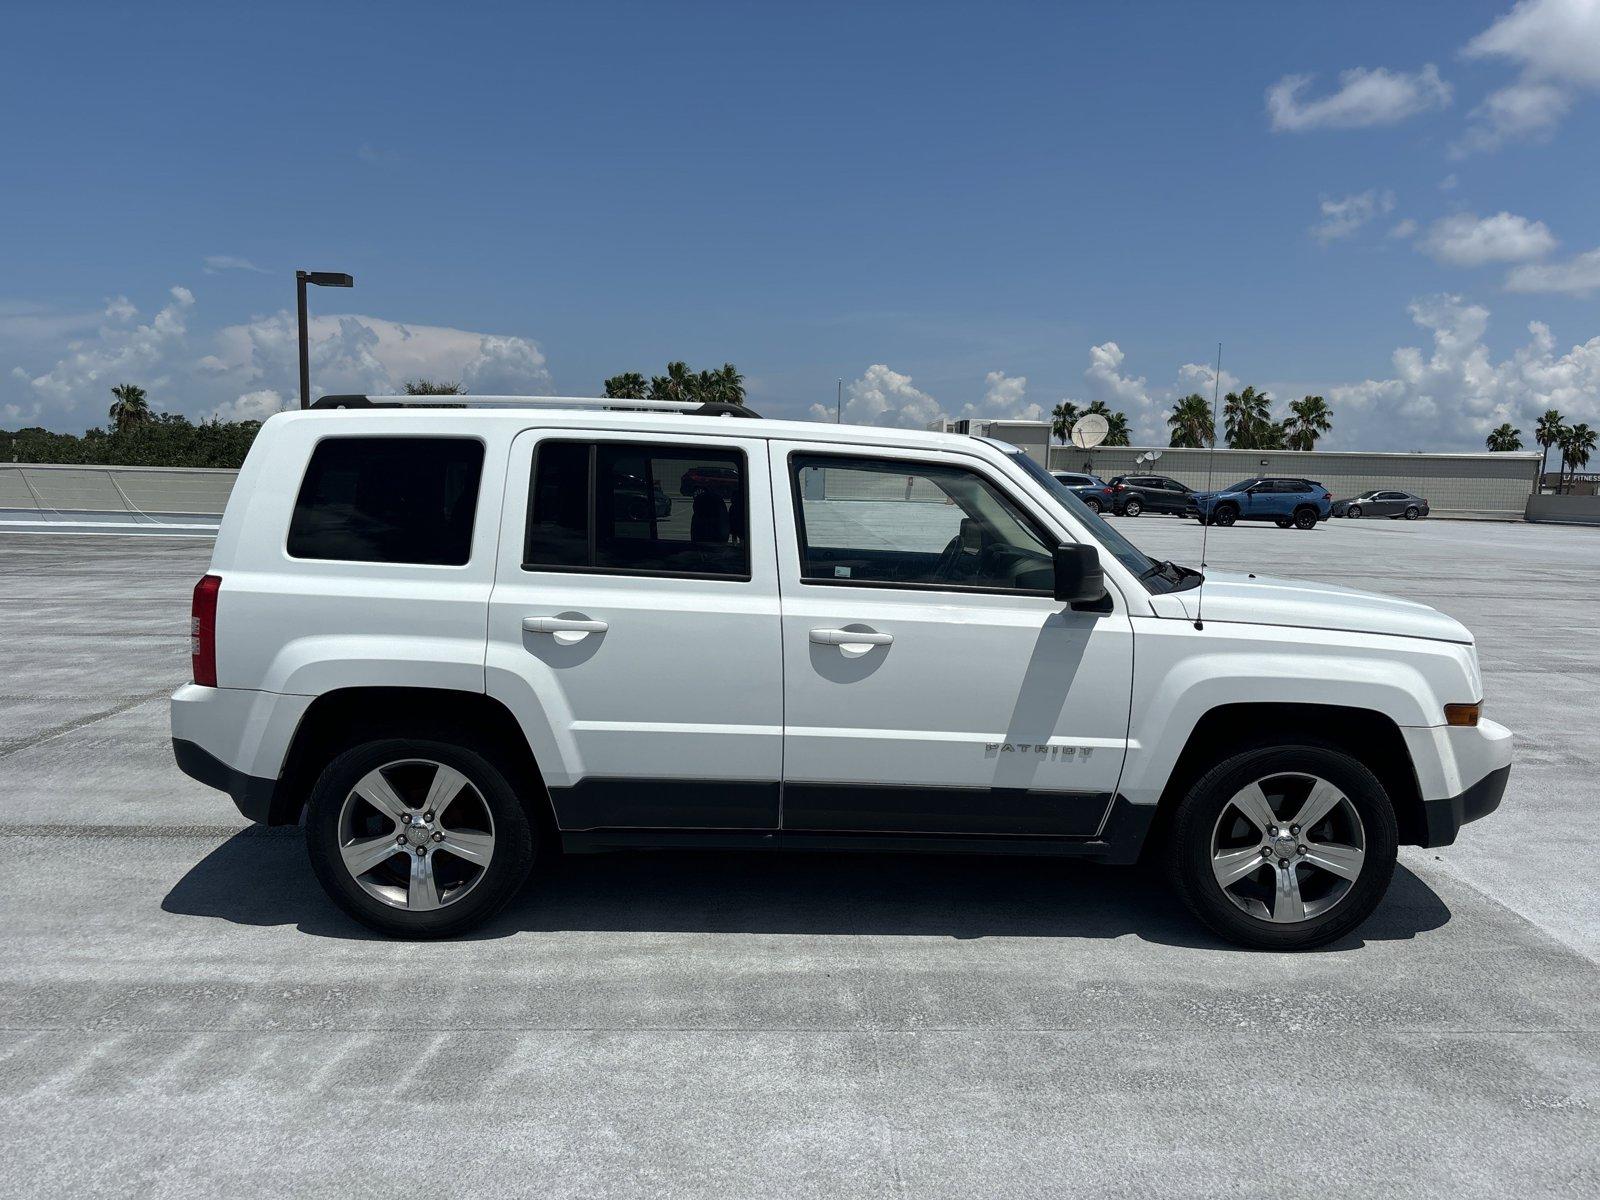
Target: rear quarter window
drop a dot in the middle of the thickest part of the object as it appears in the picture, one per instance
(388, 500)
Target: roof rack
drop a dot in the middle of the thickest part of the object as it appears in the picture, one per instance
(689, 408)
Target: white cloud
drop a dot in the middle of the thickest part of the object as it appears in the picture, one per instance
(1343, 217)
(1450, 182)
(217, 263)
(1201, 377)
(1578, 276)
(1003, 398)
(1451, 397)
(1403, 229)
(1556, 44)
(884, 397)
(1365, 97)
(252, 406)
(1465, 240)
(251, 368)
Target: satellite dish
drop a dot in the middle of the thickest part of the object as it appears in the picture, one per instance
(1153, 455)
(1088, 432)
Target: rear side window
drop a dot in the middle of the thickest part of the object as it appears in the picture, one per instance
(388, 500)
(638, 509)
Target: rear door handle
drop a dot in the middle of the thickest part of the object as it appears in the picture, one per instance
(850, 638)
(566, 630)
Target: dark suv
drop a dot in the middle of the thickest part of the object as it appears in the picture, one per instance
(1135, 494)
(1091, 489)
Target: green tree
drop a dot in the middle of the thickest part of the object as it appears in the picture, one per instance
(1116, 422)
(1191, 422)
(1247, 420)
(432, 387)
(129, 408)
(1309, 418)
(679, 384)
(1061, 419)
(1504, 438)
(1547, 432)
(630, 385)
(1577, 442)
(722, 386)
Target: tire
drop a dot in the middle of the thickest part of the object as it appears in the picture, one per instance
(1413, 513)
(1356, 833)
(1132, 508)
(456, 891)
(1305, 518)
(1283, 522)
(1353, 512)
(1095, 506)
(1226, 515)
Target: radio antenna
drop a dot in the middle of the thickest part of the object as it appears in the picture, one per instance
(1211, 466)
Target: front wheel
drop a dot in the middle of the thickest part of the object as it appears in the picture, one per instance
(1284, 848)
(417, 838)
(1283, 522)
(1132, 508)
(1413, 513)
(1226, 515)
(1354, 511)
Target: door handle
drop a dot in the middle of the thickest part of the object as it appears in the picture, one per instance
(850, 638)
(566, 630)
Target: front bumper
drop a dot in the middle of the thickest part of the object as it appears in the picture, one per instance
(1446, 817)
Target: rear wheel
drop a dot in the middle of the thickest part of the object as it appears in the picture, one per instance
(1284, 848)
(1226, 514)
(1094, 505)
(417, 838)
(1413, 513)
(1305, 518)
(1132, 508)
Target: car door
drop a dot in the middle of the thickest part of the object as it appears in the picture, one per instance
(633, 627)
(1258, 500)
(931, 682)
(1173, 497)
(1390, 503)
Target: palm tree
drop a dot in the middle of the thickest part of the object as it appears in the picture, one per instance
(1576, 443)
(130, 408)
(431, 387)
(630, 385)
(723, 386)
(678, 384)
(1504, 438)
(1247, 418)
(1191, 422)
(1547, 432)
(1116, 423)
(1062, 417)
(1309, 419)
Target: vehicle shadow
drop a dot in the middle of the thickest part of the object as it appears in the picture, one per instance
(261, 878)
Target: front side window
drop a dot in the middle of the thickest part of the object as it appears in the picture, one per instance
(639, 509)
(388, 500)
(888, 522)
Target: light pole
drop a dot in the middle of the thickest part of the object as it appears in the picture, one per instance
(321, 279)
(838, 403)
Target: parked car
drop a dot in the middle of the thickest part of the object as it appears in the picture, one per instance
(1381, 502)
(428, 636)
(719, 481)
(1285, 501)
(1132, 495)
(1091, 489)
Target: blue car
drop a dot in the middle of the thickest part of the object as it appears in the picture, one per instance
(1297, 502)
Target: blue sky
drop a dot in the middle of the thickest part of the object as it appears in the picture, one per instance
(954, 208)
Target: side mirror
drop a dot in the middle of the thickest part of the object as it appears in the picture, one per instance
(1079, 579)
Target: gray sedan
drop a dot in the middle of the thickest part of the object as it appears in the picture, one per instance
(1382, 502)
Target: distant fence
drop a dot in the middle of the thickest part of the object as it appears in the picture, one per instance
(136, 495)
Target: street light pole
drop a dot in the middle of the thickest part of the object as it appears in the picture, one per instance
(838, 403)
(321, 279)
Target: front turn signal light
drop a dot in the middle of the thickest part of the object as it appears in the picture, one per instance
(1462, 714)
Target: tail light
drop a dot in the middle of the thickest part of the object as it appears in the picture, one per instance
(1119, 487)
(203, 630)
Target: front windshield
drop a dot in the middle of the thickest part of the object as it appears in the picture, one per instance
(1240, 486)
(1156, 576)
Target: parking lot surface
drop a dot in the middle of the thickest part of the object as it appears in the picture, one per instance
(185, 1015)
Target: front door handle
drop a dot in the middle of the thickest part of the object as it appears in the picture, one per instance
(566, 630)
(853, 642)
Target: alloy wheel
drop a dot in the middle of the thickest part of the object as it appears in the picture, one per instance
(1287, 848)
(416, 834)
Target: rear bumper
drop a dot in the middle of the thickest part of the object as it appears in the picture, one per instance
(1446, 817)
(252, 796)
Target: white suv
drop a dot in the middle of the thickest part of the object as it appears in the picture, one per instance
(452, 639)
